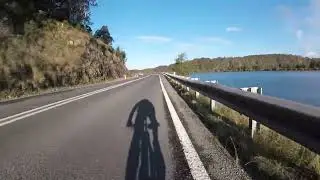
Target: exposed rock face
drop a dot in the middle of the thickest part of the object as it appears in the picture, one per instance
(53, 56)
(99, 60)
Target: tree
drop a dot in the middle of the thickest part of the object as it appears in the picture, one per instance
(179, 64)
(88, 29)
(104, 34)
(5, 28)
(17, 12)
(80, 11)
(21, 11)
(121, 54)
(181, 58)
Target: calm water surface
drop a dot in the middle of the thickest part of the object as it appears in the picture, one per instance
(302, 87)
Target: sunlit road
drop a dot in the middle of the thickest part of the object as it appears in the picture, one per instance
(120, 133)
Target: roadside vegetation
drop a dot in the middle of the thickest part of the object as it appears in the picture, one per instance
(268, 155)
(49, 44)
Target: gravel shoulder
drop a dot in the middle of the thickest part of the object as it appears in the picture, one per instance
(217, 161)
(181, 167)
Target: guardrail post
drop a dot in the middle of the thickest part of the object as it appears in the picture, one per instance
(183, 86)
(254, 126)
(212, 102)
(196, 92)
(212, 105)
(259, 91)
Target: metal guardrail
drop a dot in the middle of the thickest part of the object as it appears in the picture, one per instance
(296, 121)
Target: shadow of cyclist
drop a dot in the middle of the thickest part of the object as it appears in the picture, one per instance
(145, 160)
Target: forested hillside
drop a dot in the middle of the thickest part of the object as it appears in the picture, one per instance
(49, 43)
(267, 62)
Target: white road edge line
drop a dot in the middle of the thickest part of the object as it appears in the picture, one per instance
(197, 169)
(19, 116)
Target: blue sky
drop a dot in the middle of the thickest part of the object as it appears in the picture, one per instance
(153, 32)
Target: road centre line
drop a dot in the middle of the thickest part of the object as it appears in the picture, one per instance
(19, 116)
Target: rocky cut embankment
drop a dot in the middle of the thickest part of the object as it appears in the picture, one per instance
(55, 55)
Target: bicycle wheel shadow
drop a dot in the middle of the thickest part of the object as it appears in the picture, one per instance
(145, 159)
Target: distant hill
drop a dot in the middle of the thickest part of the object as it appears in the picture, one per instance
(266, 62)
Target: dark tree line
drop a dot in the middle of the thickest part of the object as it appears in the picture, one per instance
(268, 62)
(16, 13)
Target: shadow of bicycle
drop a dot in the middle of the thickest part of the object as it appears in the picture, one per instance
(145, 160)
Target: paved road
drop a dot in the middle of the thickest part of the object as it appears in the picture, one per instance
(121, 133)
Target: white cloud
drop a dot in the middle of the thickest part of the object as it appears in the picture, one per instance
(217, 40)
(154, 39)
(312, 54)
(304, 23)
(299, 34)
(233, 29)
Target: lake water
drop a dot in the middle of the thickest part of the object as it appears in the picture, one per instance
(301, 87)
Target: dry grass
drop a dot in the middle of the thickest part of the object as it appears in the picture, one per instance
(239, 119)
(275, 146)
(268, 155)
(53, 54)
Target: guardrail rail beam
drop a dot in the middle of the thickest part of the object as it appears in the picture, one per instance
(296, 121)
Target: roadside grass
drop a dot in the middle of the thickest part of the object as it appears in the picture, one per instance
(268, 155)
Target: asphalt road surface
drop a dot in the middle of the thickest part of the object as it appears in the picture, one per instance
(119, 133)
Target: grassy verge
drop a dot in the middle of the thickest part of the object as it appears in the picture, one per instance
(268, 155)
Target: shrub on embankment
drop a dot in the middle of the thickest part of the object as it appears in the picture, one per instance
(268, 155)
(55, 54)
